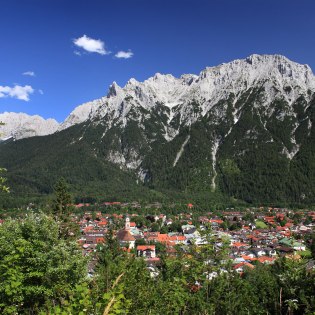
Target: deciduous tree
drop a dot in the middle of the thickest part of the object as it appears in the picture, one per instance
(36, 267)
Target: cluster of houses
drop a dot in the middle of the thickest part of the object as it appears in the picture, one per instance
(271, 235)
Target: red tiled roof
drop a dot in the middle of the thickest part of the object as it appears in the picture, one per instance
(216, 221)
(244, 264)
(249, 258)
(281, 228)
(145, 247)
(239, 244)
(100, 240)
(265, 259)
(162, 237)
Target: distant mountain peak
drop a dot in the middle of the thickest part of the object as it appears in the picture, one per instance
(20, 125)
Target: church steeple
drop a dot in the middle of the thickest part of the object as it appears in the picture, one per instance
(127, 224)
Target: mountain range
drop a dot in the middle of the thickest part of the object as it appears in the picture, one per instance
(243, 128)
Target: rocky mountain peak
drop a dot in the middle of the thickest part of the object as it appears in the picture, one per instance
(20, 125)
(114, 89)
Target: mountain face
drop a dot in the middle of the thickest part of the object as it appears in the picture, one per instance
(244, 128)
(20, 125)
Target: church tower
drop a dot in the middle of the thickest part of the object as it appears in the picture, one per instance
(127, 224)
(125, 237)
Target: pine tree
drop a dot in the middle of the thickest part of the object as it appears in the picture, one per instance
(63, 200)
(3, 187)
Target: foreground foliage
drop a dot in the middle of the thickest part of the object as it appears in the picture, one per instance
(44, 273)
(122, 285)
(36, 266)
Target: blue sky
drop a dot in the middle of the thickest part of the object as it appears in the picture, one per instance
(48, 67)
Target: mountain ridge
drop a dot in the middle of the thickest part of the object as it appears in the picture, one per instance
(244, 128)
(160, 88)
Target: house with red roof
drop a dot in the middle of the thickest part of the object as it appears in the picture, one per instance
(266, 260)
(241, 267)
(146, 251)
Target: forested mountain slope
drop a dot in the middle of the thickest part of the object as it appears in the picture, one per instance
(244, 128)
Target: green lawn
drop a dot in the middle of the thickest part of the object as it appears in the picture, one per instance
(261, 224)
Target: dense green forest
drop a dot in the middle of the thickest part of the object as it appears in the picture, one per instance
(42, 271)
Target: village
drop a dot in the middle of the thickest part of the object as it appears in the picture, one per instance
(251, 237)
(149, 249)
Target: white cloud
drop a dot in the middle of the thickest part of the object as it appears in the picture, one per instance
(76, 52)
(91, 45)
(29, 73)
(19, 92)
(41, 92)
(124, 54)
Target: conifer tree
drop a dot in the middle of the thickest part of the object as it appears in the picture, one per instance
(3, 187)
(63, 199)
